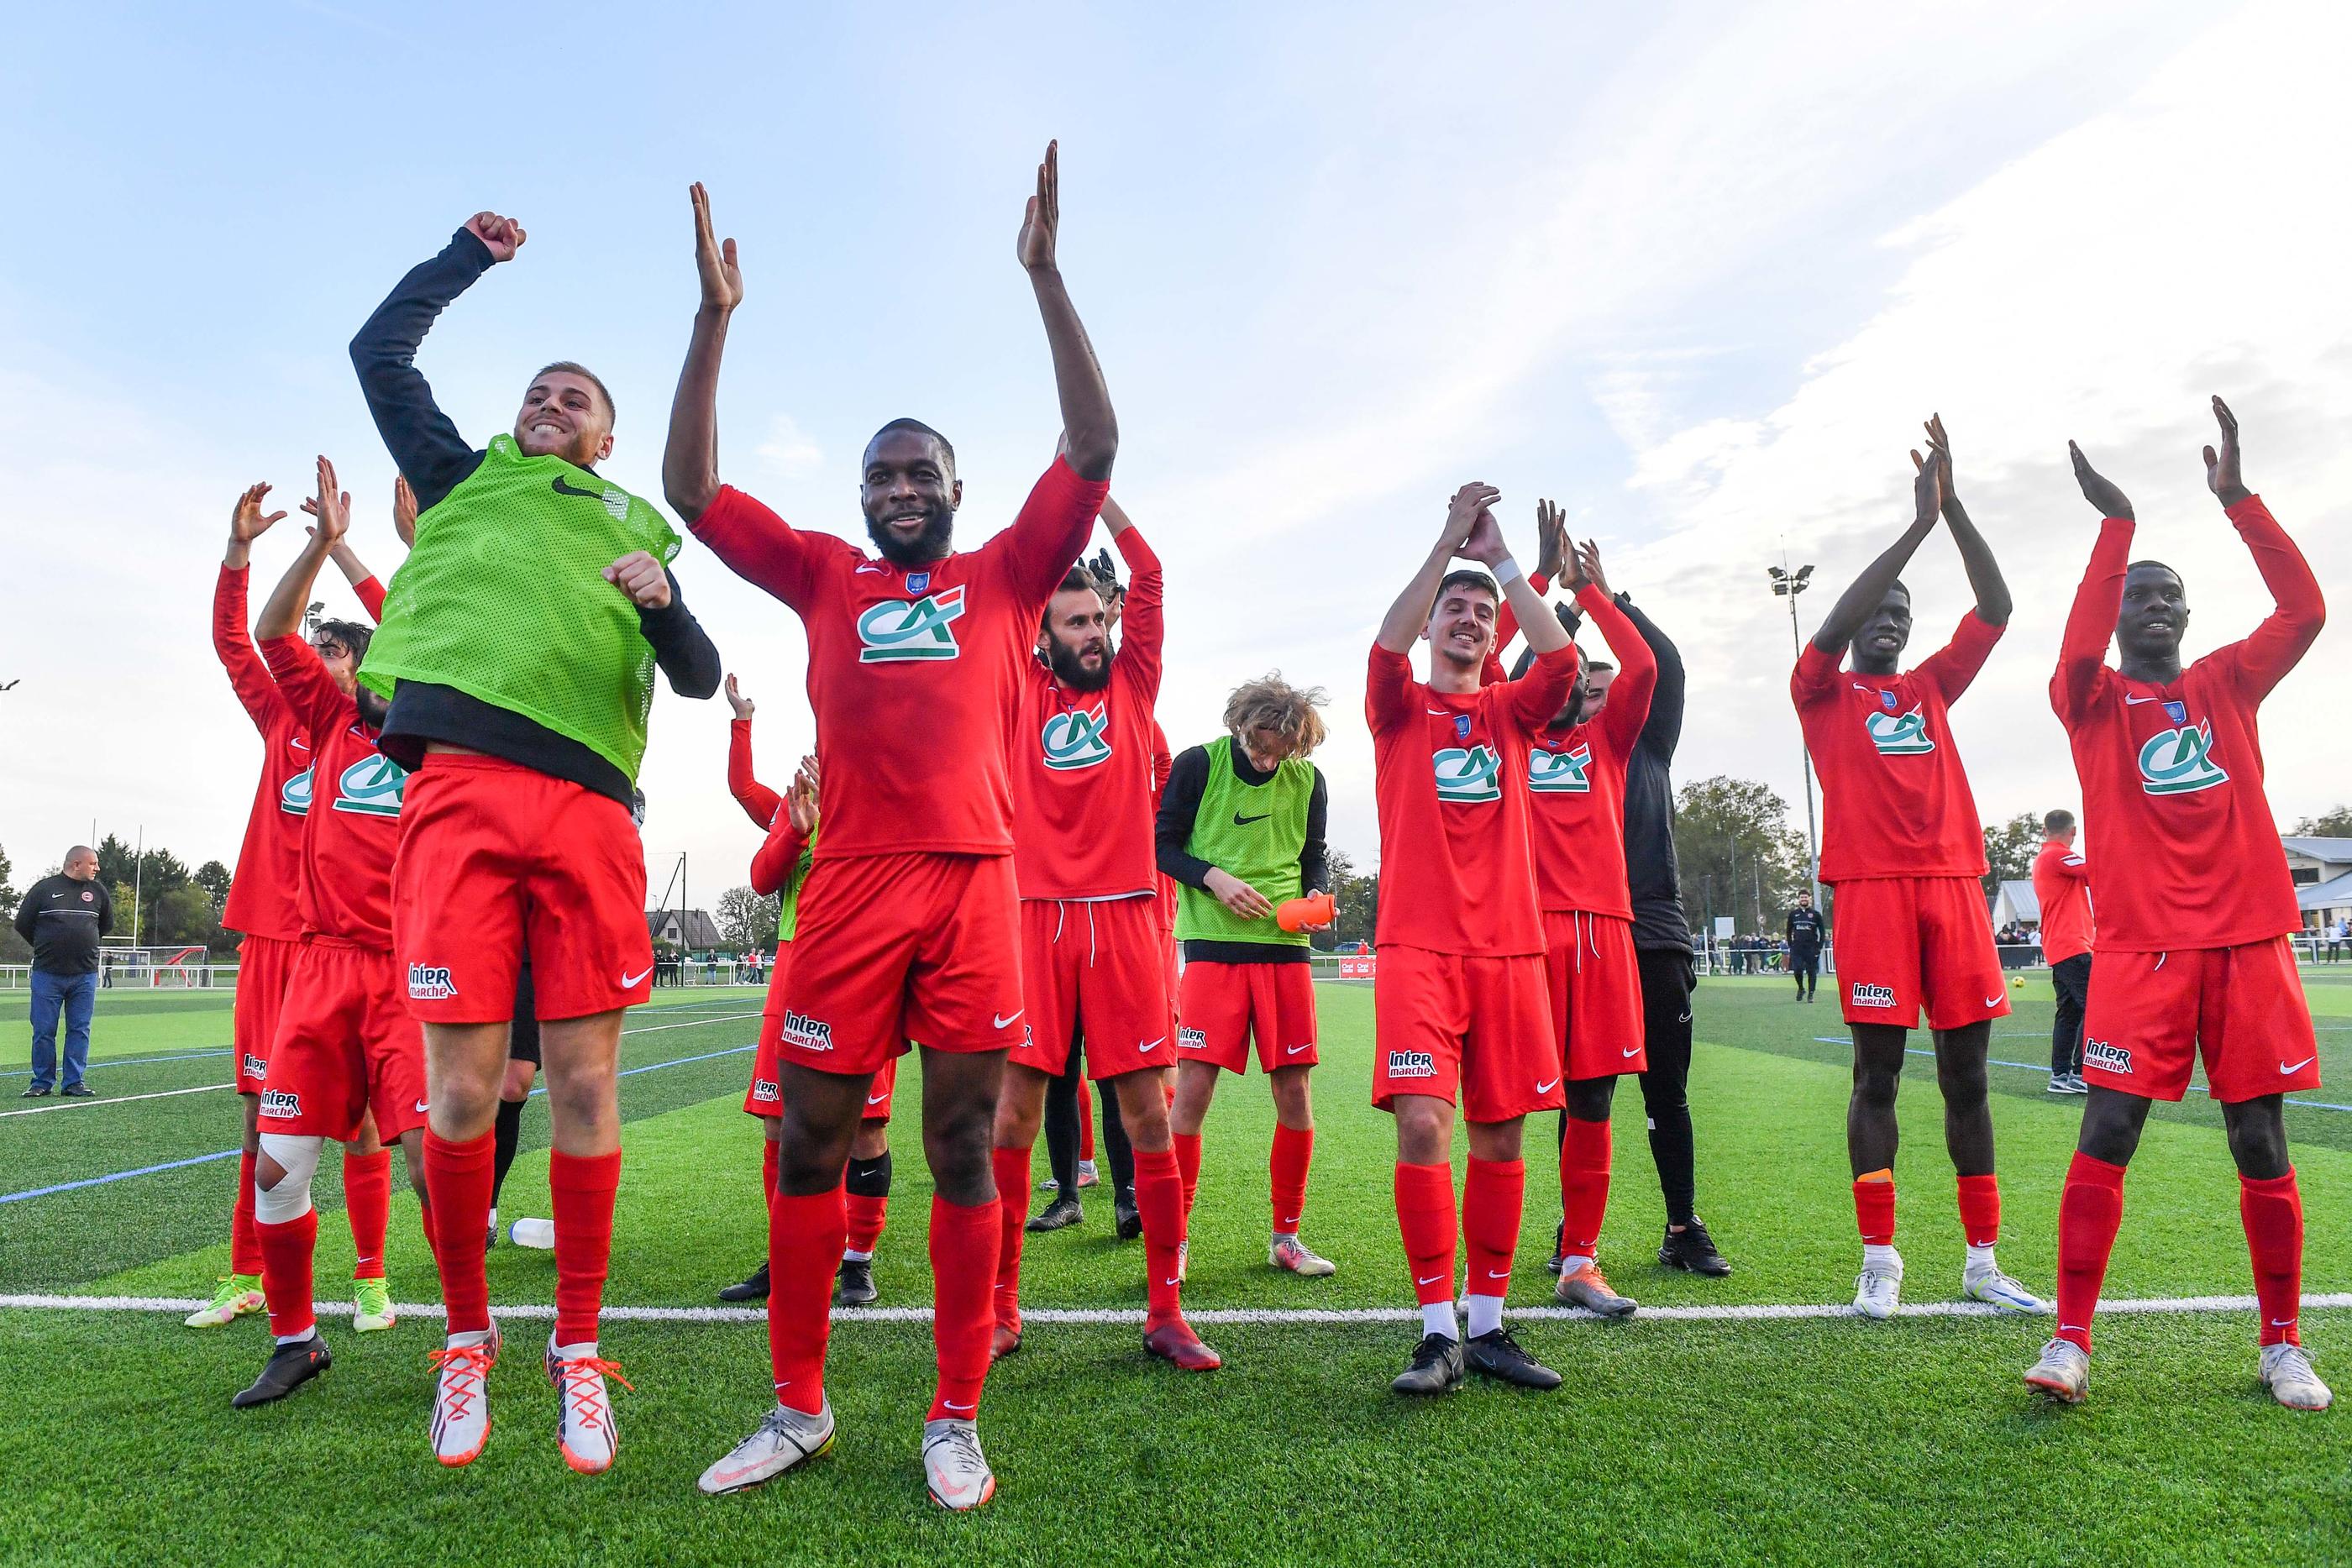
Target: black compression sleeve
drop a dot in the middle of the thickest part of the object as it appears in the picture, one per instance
(1180, 806)
(682, 648)
(1314, 859)
(422, 439)
(1663, 731)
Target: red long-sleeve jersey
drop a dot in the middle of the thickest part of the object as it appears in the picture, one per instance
(2061, 885)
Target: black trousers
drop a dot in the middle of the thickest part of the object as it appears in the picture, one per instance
(1062, 1130)
(1667, 980)
(2071, 979)
(1806, 965)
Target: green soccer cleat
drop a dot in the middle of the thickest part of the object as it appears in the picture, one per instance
(372, 1306)
(238, 1294)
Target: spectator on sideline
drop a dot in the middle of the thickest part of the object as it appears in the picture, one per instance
(63, 917)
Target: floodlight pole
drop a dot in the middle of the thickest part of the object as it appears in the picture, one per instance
(1788, 585)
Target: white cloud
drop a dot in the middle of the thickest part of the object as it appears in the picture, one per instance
(788, 450)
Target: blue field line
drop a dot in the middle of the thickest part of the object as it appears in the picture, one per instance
(97, 1062)
(2044, 1067)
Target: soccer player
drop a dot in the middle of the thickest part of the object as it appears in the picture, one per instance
(1459, 1004)
(1241, 833)
(1901, 848)
(262, 904)
(2061, 885)
(909, 920)
(345, 1050)
(518, 649)
(1804, 930)
(2196, 908)
(1091, 962)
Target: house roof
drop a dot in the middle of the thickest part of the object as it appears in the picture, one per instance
(696, 928)
(2332, 894)
(2335, 852)
(2020, 893)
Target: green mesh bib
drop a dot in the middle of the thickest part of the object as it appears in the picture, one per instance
(503, 598)
(788, 897)
(1254, 832)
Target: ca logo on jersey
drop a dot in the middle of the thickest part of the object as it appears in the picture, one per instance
(1560, 772)
(294, 795)
(372, 787)
(2177, 762)
(921, 629)
(1468, 775)
(1076, 739)
(1899, 734)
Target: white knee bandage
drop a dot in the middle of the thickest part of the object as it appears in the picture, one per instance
(290, 1198)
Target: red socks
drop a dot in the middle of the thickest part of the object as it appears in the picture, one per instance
(866, 1217)
(1287, 1166)
(458, 1178)
(1159, 1199)
(1584, 1153)
(243, 1246)
(2273, 1211)
(2089, 1211)
(1492, 1197)
(804, 1238)
(367, 1203)
(1874, 1207)
(1086, 1121)
(1980, 1208)
(1424, 1205)
(1012, 1168)
(580, 1189)
(964, 1262)
(1188, 1164)
(768, 1173)
(286, 1272)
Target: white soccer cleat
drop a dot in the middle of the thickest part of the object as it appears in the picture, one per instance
(2063, 1372)
(583, 1409)
(1087, 1176)
(784, 1438)
(2287, 1373)
(539, 1235)
(1876, 1291)
(954, 1467)
(1290, 1253)
(1992, 1286)
(461, 1402)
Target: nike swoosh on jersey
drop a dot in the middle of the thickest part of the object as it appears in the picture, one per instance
(563, 490)
(2135, 702)
(1242, 821)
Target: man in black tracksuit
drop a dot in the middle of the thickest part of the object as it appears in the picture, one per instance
(1804, 930)
(63, 917)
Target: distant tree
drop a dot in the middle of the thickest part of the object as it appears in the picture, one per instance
(121, 934)
(1738, 854)
(1358, 896)
(748, 920)
(214, 879)
(183, 916)
(13, 947)
(2335, 824)
(2010, 850)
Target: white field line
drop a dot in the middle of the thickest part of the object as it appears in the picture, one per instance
(113, 1100)
(1745, 1313)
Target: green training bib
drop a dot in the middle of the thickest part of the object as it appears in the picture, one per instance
(1254, 832)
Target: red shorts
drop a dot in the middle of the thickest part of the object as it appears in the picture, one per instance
(1476, 1032)
(264, 965)
(1096, 970)
(766, 1095)
(1222, 1007)
(2149, 1013)
(345, 1046)
(1908, 942)
(895, 947)
(1595, 986)
(497, 858)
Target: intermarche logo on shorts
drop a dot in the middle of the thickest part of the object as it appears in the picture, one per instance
(1468, 775)
(2107, 1056)
(254, 1067)
(430, 983)
(1192, 1040)
(805, 1033)
(766, 1090)
(2178, 762)
(372, 787)
(1411, 1064)
(294, 795)
(281, 1104)
(898, 629)
(1077, 739)
(1866, 994)
(1899, 734)
(1560, 772)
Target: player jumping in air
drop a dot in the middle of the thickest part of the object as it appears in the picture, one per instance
(346, 1050)
(1459, 1001)
(518, 645)
(1241, 833)
(1902, 850)
(262, 904)
(2195, 906)
(910, 921)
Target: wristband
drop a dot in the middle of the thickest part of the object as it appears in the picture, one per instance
(1506, 571)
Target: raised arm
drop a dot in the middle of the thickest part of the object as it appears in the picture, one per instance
(690, 461)
(1400, 627)
(759, 802)
(424, 443)
(246, 673)
(282, 615)
(1854, 605)
(1628, 709)
(365, 587)
(1991, 590)
(1551, 533)
(784, 853)
(1663, 730)
(2091, 623)
(2286, 634)
(1089, 428)
(1142, 623)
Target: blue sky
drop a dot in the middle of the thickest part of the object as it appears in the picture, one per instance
(1696, 271)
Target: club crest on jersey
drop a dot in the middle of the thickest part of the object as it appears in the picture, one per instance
(1461, 727)
(372, 787)
(430, 983)
(1899, 734)
(1869, 995)
(2178, 761)
(1886, 700)
(1468, 775)
(1411, 1064)
(2178, 712)
(2106, 1056)
(1077, 739)
(281, 1104)
(1560, 772)
(806, 1033)
(899, 628)
(294, 795)
(918, 581)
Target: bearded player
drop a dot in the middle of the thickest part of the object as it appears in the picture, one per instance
(2196, 909)
(262, 904)
(1459, 1000)
(910, 921)
(1092, 959)
(346, 1050)
(518, 645)
(1241, 833)
(1902, 848)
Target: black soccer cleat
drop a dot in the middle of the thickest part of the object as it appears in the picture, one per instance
(754, 1289)
(1497, 1355)
(289, 1367)
(1693, 1248)
(1559, 1258)
(1062, 1211)
(79, 1092)
(854, 1285)
(1130, 1217)
(1436, 1367)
